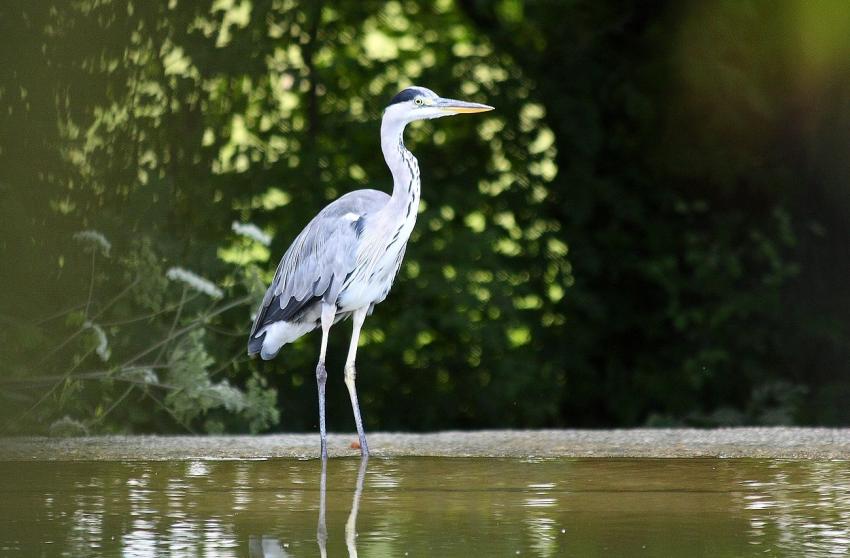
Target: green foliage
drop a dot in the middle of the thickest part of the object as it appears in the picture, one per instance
(159, 340)
(194, 394)
(648, 229)
(260, 411)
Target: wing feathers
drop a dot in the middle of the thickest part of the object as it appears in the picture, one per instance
(317, 261)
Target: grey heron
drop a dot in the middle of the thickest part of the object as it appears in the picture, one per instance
(345, 260)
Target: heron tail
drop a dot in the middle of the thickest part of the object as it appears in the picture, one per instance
(255, 344)
(266, 348)
(268, 341)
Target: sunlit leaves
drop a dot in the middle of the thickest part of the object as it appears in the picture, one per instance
(475, 221)
(234, 14)
(518, 336)
(263, 112)
(379, 47)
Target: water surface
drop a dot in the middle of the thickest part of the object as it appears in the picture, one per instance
(426, 507)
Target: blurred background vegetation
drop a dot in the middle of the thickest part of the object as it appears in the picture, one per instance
(651, 229)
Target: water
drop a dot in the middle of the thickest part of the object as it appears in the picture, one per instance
(426, 507)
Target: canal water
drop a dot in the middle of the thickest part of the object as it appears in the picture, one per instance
(436, 507)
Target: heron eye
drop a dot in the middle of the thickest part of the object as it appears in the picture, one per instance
(418, 101)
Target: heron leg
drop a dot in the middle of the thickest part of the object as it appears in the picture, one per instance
(357, 319)
(328, 313)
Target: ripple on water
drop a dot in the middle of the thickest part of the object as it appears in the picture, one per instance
(427, 507)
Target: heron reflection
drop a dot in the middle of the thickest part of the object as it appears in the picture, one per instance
(270, 547)
(351, 523)
(322, 529)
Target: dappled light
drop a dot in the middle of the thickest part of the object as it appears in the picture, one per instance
(649, 229)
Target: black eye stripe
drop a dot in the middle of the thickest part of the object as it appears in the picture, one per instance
(406, 95)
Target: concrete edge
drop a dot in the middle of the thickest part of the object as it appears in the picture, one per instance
(761, 443)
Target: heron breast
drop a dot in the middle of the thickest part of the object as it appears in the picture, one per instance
(371, 286)
(360, 294)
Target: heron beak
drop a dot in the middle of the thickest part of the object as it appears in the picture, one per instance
(452, 106)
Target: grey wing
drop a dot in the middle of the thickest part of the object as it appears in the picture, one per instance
(318, 261)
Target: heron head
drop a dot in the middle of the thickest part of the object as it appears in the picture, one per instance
(420, 103)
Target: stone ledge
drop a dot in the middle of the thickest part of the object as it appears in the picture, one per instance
(774, 442)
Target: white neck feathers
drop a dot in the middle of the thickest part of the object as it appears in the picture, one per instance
(403, 165)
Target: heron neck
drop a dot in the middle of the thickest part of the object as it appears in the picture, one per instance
(403, 165)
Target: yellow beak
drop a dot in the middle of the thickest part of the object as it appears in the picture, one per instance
(453, 106)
